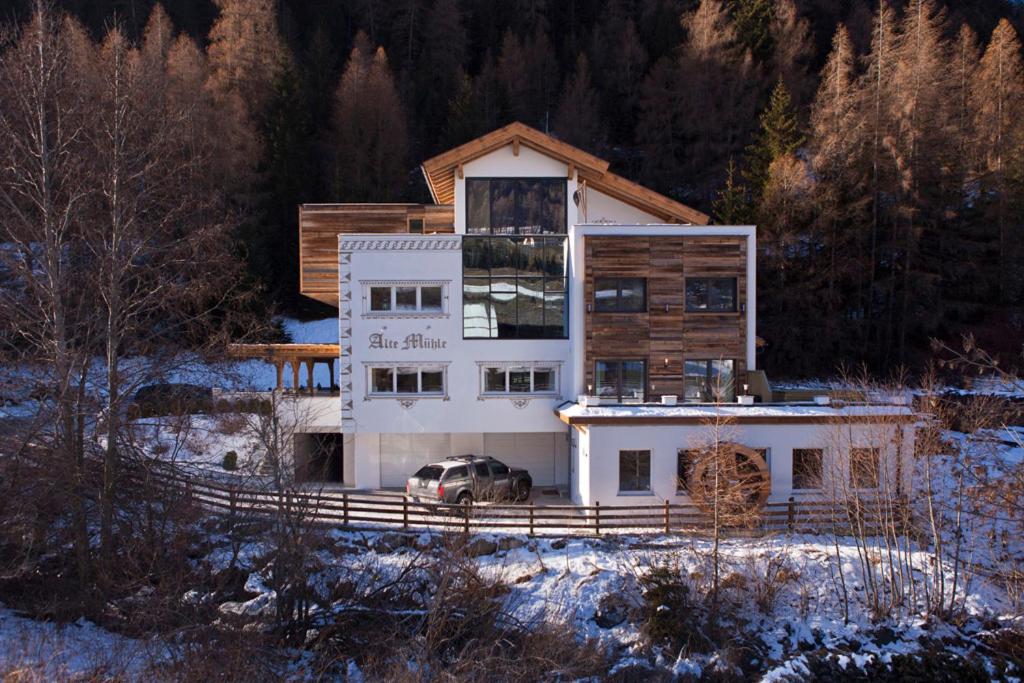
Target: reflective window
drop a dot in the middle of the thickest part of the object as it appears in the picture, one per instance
(388, 381)
(412, 298)
(807, 468)
(383, 380)
(514, 288)
(519, 380)
(380, 298)
(623, 295)
(407, 381)
(707, 381)
(494, 379)
(624, 381)
(515, 206)
(543, 379)
(634, 470)
(503, 380)
(430, 298)
(711, 294)
(405, 298)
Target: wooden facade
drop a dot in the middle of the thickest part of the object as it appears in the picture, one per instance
(320, 225)
(665, 334)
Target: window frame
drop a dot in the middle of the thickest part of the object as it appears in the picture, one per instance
(821, 470)
(619, 375)
(507, 368)
(708, 375)
(562, 181)
(394, 312)
(735, 295)
(619, 308)
(420, 368)
(640, 491)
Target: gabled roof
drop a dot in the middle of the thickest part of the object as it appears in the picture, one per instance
(440, 172)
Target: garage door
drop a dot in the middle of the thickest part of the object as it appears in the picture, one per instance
(402, 454)
(544, 454)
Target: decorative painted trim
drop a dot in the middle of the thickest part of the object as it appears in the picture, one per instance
(400, 283)
(407, 402)
(432, 243)
(520, 403)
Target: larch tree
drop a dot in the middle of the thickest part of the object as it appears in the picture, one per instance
(792, 49)
(578, 118)
(998, 106)
(369, 128)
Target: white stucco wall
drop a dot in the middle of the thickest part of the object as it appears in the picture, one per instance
(604, 209)
(600, 466)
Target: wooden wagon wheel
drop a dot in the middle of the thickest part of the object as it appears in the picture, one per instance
(743, 481)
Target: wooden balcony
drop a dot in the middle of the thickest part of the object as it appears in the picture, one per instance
(295, 355)
(320, 225)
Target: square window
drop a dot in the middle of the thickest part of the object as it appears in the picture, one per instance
(622, 295)
(382, 380)
(416, 226)
(407, 381)
(807, 468)
(622, 380)
(711, 294)
(494, 379)
(430, 298)
(634, 471)
(705, 381)
(543, 379)
(432, 381)
(405, 298)
(519, 380)
(864, 468)
(380, 298)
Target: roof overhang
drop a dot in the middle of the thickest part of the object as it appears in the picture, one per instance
(441, 170)
(758, 414)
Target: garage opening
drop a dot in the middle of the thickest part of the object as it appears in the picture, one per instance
(544, 454)
(402, 454)
(319, 457)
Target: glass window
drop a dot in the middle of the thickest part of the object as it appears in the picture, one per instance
(432, 382)
(481, 470)
(622, 380)
(543, 379)
(478, 318)
(864, 465)
(515, 206)
(380, 298)
(405, 298)
(407, 381)
(624, 295)
(460, 472)
(430, 298)
(499, 469)
(430, 472)
(634, 470)
(494, 379)
(685, 460)
(383, 380)
(807, 468)
(706, 381)
(711, 294)
(416, 226)
(519, 380)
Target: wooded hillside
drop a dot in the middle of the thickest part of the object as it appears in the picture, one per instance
(879, 148)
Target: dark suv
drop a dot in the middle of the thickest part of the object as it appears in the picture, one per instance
(466, 478)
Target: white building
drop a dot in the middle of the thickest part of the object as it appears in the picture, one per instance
(473, 326)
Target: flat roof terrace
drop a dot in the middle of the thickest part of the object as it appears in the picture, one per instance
(759, 413)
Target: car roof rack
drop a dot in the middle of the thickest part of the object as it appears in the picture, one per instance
(468, 457)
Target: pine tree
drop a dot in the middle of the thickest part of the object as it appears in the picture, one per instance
(578, 119)
(793, 49)
(753, 19)
(369, 129)
(779, 135)
(732, 206)
(441, 68)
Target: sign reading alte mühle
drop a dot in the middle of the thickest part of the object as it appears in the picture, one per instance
(411, 341)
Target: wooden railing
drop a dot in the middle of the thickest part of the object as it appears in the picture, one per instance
(353, 509)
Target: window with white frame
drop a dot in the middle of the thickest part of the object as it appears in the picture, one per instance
(402, 380)
(398, 299)
(511, 379)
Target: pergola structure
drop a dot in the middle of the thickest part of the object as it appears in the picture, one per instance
(295, 355)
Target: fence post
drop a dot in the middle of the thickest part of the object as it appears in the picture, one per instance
(465, 512)
(531, 518)
(232, 494)
(597, 517)
(666, 516)
(405, 512)
(791, 514)
(344, 508)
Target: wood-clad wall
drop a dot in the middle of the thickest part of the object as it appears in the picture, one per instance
(665, 334)
(320, 225)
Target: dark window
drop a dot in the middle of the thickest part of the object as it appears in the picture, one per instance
(543, 379)
(807, 468)
(405, 298)
(864, 465)
(685, 460)
(515, 206)
(380, 298)
(460, 472)
(430, 472)
(499, 469)
(407, 381)
(711, 294)
(416, 225)
(383, 380)
(622, 380)
(622, 295)
(494, 379)
(519, 380)
(634, 470)
(432, 382)
(481, 470)
(430, 299)
(514, 288)
(706, 381)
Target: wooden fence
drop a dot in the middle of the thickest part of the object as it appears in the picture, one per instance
(395, 511)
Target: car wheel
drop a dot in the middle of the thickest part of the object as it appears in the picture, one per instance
(465, 498)
(522, 491)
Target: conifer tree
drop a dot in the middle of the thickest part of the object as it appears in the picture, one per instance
(578, 119)
(441, 67)
(779, 135)
(732, 205)
(753, 19)
(793, 48)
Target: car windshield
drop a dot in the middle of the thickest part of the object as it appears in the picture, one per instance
(431, 472)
